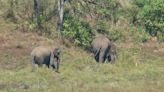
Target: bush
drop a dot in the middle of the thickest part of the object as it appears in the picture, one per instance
(153, 16)
(133, 34)
(160, 36)
(140, 3)
(116, 35)
(101, 27)
(76, 30)
(139, 35)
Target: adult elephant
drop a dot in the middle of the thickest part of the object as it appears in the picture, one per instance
(103, 49)
(45, 55)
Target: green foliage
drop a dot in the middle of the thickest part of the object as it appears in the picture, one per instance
(27, 26)
(102, 25)
(76, 30)
(160, 36)
(116, 35)
(100, 14)
(141, 3)
(108, 10)
(136, 69)
(135, 35)
(153, 16)
(40, 19)
(139, 35)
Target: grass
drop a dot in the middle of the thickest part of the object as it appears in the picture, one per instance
(137, 68)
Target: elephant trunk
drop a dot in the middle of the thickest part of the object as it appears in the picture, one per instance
(57, 64)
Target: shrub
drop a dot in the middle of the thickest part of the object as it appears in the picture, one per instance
(133, 34)
(76, 30)
(140, 3)
(116, 35)
(139, 35)
(153, 16)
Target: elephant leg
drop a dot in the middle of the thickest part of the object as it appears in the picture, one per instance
(36, 60)
(111, 58)
(57, 64)
(102, 57)
(96, 55)
(33, 63)
(46, 61)
(97, 58)
(107, 58)
(52, 63)
(53, 66)
(48, 65)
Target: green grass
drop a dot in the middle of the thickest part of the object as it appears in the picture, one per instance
(136, 69)
(80, 73)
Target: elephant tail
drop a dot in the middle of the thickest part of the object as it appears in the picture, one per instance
(97, 52)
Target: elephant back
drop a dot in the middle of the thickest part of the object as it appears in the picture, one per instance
(41, 51)
(100, 42)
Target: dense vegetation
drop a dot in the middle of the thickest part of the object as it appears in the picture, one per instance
(151, 13)
(113, 17)
(76, 29)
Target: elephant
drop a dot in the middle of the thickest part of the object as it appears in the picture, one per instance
(103, 49)
(45, 55)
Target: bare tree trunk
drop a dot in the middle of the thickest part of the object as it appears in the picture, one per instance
(60, 15)
(36, 12)
(60, 20)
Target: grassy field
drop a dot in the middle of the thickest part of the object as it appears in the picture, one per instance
(138, 68)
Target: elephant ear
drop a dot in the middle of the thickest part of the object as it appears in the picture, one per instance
(56, 51)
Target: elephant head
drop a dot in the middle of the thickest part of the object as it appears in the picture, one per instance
(56, 56)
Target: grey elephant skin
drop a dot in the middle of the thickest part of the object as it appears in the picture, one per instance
(45, 55)
(103, 49)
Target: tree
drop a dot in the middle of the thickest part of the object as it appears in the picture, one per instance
(60, 14)
(36, 12)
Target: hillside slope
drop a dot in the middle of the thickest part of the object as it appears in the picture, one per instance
(139, 68)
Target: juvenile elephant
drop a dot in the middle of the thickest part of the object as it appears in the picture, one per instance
(45, 55)
(103, 49)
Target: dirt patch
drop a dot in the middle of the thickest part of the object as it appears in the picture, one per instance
(125, 45)
(153, 47)
(16, 46)
(2, 40)
(159, 51)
